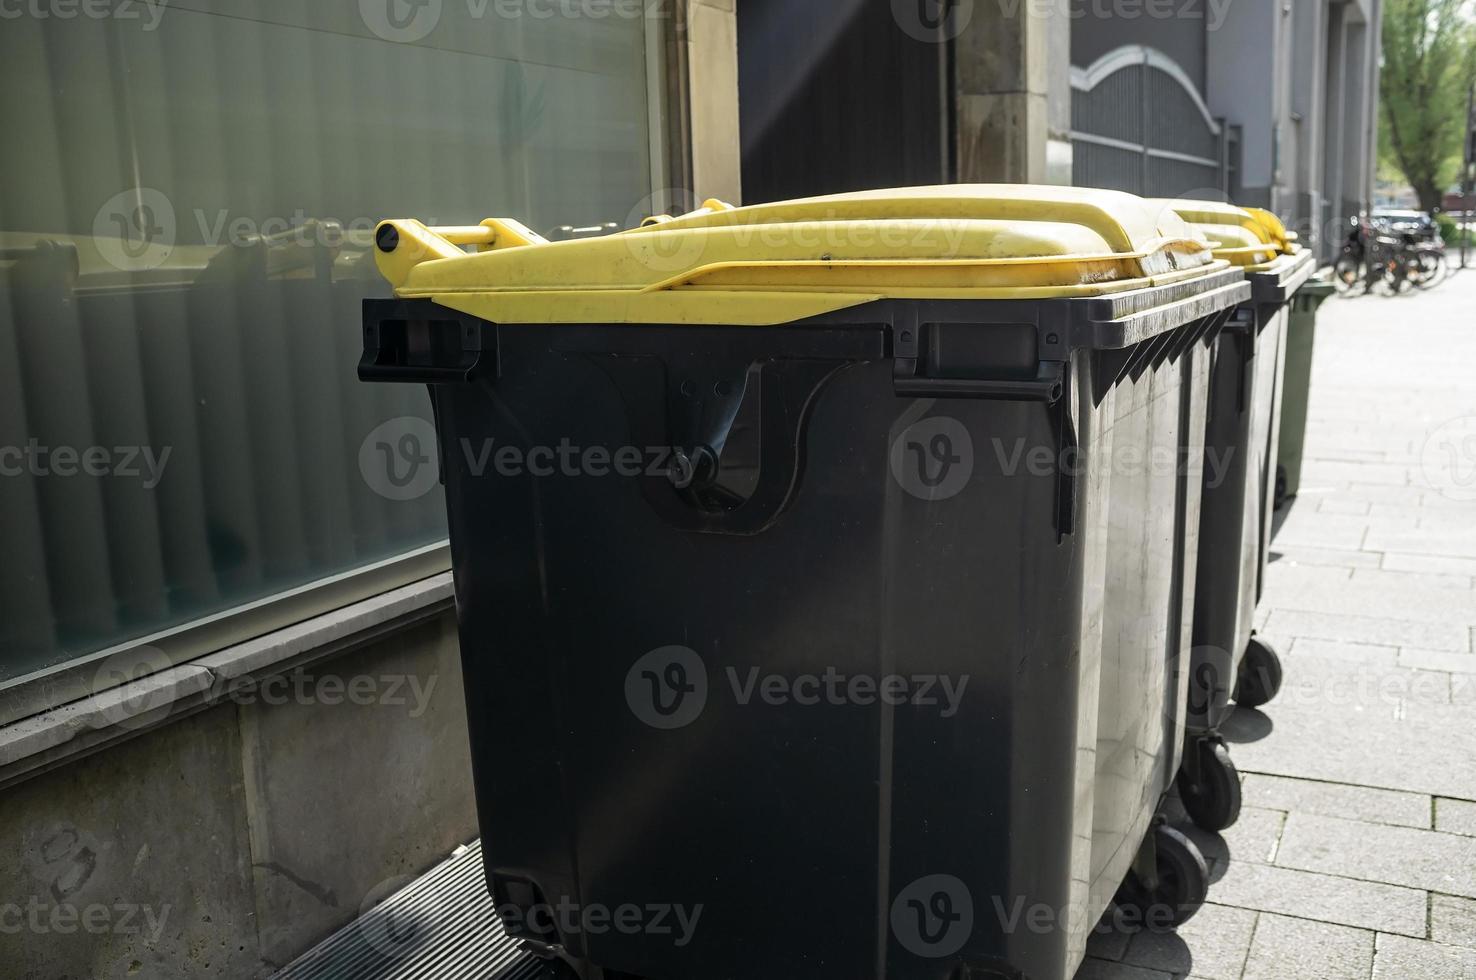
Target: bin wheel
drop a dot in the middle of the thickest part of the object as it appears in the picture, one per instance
(1209, 786)
(554, 969)
(1260, 675)
(1182, 883)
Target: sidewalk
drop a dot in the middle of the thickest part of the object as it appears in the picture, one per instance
(1355, 856)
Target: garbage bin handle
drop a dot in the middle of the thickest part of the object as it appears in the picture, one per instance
(417, 341)
(786, 389)
(1047, 386)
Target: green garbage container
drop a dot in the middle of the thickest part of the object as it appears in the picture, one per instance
(833, 555)
(1300, 335)
(1229, 660)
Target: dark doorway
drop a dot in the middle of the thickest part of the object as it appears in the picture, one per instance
(837, 95)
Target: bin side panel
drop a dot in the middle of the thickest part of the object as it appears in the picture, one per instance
(1270, 378)
(1156, 429)
(1228, 518)
(1088, 895)
(1300, 338)
(759, 802)
(986, 593)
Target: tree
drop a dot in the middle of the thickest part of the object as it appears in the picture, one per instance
(1429, 64)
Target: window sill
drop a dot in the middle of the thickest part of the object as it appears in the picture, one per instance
(47, 740)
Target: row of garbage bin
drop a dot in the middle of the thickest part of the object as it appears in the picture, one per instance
(931, 570)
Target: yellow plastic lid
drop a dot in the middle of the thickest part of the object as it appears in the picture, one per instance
(1284, 239)
(1251, 238)
(773, 263)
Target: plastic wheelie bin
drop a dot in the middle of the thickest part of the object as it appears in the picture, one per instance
(823, 572)
(1229, 660)
(1301, 334)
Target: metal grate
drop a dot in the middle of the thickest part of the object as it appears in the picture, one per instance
(1138, 124)
(439, 927)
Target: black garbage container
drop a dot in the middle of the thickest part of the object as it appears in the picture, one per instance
(823, 570)
(1232, 663)
(1301, 332)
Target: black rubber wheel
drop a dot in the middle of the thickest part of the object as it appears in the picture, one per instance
(1432, 267)
(1182, 886)
(1213, 799)
(1346, 273)
(1260, 675)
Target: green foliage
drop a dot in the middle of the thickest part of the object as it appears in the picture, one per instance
(1429, 65)
(1450, 232)
(1453, 234)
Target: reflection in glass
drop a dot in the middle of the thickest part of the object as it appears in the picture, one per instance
(185, 222)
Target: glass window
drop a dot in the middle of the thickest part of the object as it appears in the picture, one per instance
(185, 217)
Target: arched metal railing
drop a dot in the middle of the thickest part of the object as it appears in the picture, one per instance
(1139, 124)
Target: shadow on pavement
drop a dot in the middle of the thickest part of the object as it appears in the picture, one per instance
(1114, 955)
(1246, 725)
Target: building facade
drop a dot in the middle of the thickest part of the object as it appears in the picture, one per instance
(1268, 104)
(1272, 104)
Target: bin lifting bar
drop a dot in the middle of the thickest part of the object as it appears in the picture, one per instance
(446, 241)
(408, 242)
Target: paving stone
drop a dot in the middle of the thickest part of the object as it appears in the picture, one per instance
(1357, 454)
(1336, 557)
(1431, 750)
(1444, 521)
(1319, 471)
(1367, 629)
(1326, 898)
(1399, 958)
(1431, 564)
(1382, 493)
(1333, 800)
(1428, 859)
(1213, 945)
(1316, 489)
(1391, 578)
(1453, 920)
(1456, 543)
(1458, 663)
(1343, 505)
(1351, 685)
(1296, 949)
(1410, 602)
(1287, 575)
(1253, 838)
(1341, 650)
(1404, 511)
(1384, 434)
(1437, 483)
(1456, 816)
(1434, 500)
(1256, 835)
(1308, 528)
(1463, 689)
(1107, 944)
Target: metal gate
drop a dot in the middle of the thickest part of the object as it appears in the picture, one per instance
(1139, 124)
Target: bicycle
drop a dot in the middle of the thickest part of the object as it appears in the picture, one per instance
(1349, 269)
(1432, 263)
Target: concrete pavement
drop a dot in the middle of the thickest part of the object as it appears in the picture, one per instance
(1355, 856)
